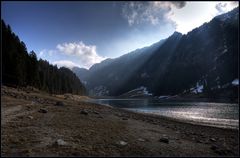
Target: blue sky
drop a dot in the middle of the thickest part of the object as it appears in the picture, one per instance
(83, 33)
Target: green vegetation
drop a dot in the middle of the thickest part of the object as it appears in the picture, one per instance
(20, 68)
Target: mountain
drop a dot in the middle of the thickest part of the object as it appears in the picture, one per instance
(203, 61)
(111, 73)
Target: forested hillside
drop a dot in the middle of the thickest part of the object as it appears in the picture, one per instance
(20, 68)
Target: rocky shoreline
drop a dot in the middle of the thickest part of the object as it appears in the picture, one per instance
(34, 123)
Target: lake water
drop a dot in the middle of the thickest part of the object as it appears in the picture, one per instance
(225, 115)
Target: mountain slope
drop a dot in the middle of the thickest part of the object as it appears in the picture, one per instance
(206, 57)
(20, 68)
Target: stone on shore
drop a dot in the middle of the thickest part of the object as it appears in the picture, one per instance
(42, 111)
(96, 112)
(212, 139)
(164, 140)
(59, 103)
(122, 143)
(30, 117)
(60, 142)
(141, 140)
(84, 112)
(214, 147)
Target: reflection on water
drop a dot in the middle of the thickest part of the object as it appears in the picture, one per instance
(213, 114)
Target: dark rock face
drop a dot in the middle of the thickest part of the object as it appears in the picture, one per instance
(207, 56)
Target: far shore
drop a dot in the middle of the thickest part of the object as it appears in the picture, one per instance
(175, 99)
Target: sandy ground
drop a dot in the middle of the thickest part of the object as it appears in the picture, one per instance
(77, 128)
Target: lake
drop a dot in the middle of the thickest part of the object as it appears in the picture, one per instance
(225, 115)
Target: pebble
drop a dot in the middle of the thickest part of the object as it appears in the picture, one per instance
(164, 140)
(60, 142)
(141, 140)
(199, 141)
(96, 112)
(123, 143)
(84, 112)
(212, 139)
(59, 103)
(214, 147)
(30, 117)
(42, 111)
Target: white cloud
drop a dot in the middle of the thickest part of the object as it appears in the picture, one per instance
(46, 52)
(224, 7)
(68, 54)
(149, 12)
(194, 14)
(221, 7)
(184, 16)
(65, 63)
(86, 54)
(42, 53)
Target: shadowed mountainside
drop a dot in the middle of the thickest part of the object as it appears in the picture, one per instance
(206, 58)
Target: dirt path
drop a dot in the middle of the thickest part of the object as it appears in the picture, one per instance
(10, 112)
(83, 129)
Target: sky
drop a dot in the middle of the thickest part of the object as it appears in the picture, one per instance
(72, 33)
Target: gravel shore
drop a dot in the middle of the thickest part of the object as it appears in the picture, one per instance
(38, 124)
